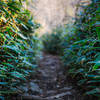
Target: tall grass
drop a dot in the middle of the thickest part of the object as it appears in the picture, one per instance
(18, 48)
(81, 55)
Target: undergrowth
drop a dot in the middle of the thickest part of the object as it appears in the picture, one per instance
(82, 52)
(52, 41)
(18, 47)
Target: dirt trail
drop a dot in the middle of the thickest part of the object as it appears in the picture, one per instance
(49, 83)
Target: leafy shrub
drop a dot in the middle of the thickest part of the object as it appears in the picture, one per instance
(18, 48)
(82, 51)
(52, 41)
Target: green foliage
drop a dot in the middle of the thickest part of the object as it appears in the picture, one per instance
(16, 62)
(52, 41)
(82, 50)
(18, 48)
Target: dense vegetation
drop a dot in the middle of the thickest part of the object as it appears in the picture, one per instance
(79, 46)
(52, 41)
(18, 47)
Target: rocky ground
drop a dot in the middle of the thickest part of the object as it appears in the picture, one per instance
(49, 83)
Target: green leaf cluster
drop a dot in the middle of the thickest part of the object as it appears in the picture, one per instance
(52, 42)
(81, 53)
(18, 47)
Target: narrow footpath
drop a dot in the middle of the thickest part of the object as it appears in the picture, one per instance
(49, 83)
